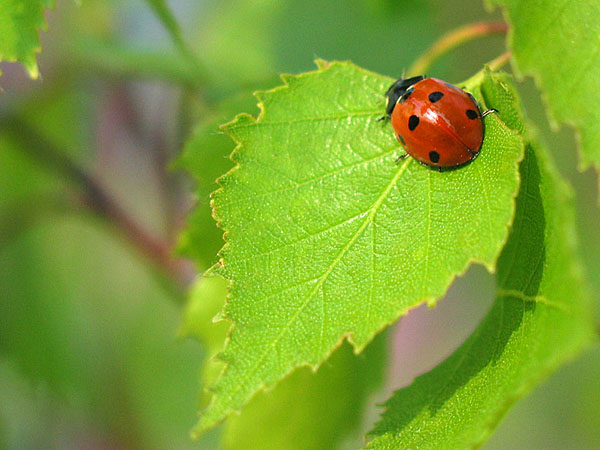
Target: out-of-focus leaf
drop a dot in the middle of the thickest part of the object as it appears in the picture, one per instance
(20, 24)
(328, 238)
(540, 320)
(30, 187)
(118, 60)
(55, 110)
(83, 317)
(205, 301)
(205, 156)
(246, 41)
(558, 43)
(312, 410)
(307, 410)
(28, 190)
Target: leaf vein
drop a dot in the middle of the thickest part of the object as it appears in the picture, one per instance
(302, 239)
(541, 34)
(348, 115)
(575, 79)
(532, 298)
(323, 277)
(316, 179)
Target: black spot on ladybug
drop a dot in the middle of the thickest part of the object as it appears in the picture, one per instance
(435, 96)
(401, 140)
(472, 114)
(406, 94)
(413, 121)
(434, 156)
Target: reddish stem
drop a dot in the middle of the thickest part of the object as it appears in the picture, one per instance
(452, 40)
(93, 195)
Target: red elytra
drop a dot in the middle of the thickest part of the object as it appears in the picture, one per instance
(437, 123)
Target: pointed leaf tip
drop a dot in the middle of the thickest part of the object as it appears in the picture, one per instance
(327, 237)
(20, 24)
(558, 45)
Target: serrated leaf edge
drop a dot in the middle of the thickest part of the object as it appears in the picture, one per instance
(33, 69)
(584, 161)
(217, 268)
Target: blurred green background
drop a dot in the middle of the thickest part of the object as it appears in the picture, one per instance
(89, 353)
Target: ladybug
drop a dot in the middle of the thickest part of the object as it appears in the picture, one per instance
(437, 123)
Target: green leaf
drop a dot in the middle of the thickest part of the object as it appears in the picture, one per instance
(327, 238)
(312, 410)
(77, 302)
(558, 43)
(117, 59)
(20, 25)
(345, 381)
(270, 36)
(306, 410)
(205, 301)
(28, 190)
(540, 319)
(205, 155)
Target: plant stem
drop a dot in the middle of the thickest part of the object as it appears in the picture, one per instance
(452, 40)
(499, 62)
(167, 18)
(95, 196)
(120, 61)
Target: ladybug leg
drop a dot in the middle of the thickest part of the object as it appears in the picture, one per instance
(486, 112)
(400, 158)
(386, 117)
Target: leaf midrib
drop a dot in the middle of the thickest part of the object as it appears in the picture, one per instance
(323, 277)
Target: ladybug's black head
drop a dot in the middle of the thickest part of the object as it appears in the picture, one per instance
(397, 90)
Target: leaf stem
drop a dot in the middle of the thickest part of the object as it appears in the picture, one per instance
(499, 62)
(97, 198)
(494, 65)
(120, 61)
(452, 40)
